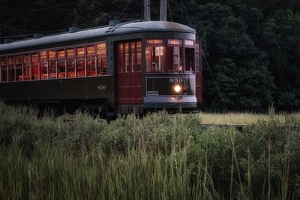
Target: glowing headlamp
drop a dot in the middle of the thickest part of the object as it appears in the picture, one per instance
(177, 88)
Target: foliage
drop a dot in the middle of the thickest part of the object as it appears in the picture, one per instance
(160, 156)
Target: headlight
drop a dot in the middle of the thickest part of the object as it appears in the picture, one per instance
(177, 88)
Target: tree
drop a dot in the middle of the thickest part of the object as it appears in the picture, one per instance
(240, 78)
(281, 35)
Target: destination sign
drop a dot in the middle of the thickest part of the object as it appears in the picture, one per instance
(189, 43)
(155, 41)
(176, 42)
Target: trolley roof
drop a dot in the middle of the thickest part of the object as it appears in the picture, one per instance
(118, 29)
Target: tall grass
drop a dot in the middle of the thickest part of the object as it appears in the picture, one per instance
(158, 157)
(247, 117)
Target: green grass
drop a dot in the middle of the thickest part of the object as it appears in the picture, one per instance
(161, 156)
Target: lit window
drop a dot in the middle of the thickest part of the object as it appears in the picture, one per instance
(34, 57)
(155, 59)
(61, 53)
(3, 61)
(43, 55)
(155, 52)
(90, 50)
(44, 70)
(11, 60)
(101, 48)
(18, 59)
(52, 54)
(70, 52)
(80, 51)
(71, 68)
(26, 58)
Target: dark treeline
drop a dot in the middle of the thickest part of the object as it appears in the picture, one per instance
(251, 47)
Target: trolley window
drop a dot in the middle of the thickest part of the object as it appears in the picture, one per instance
(26, 58)
(101, 63)
(155, 55)
(19, 73)
(61, 53)
(19, 59)
(3, 73)
(43, 55)
(90, 50)
(52, 55)
(11, 69)
(3, 61)
(189, 56)
(80, 51)
(34, 57)
(70, 52)
(175, 55)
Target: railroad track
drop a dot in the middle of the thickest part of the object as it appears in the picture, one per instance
(238, 127)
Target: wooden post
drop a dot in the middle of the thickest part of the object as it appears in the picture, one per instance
(147, 13)
(163, 10)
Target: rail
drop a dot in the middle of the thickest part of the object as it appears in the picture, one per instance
(238, 127)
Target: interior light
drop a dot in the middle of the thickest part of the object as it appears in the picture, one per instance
(177, 88)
